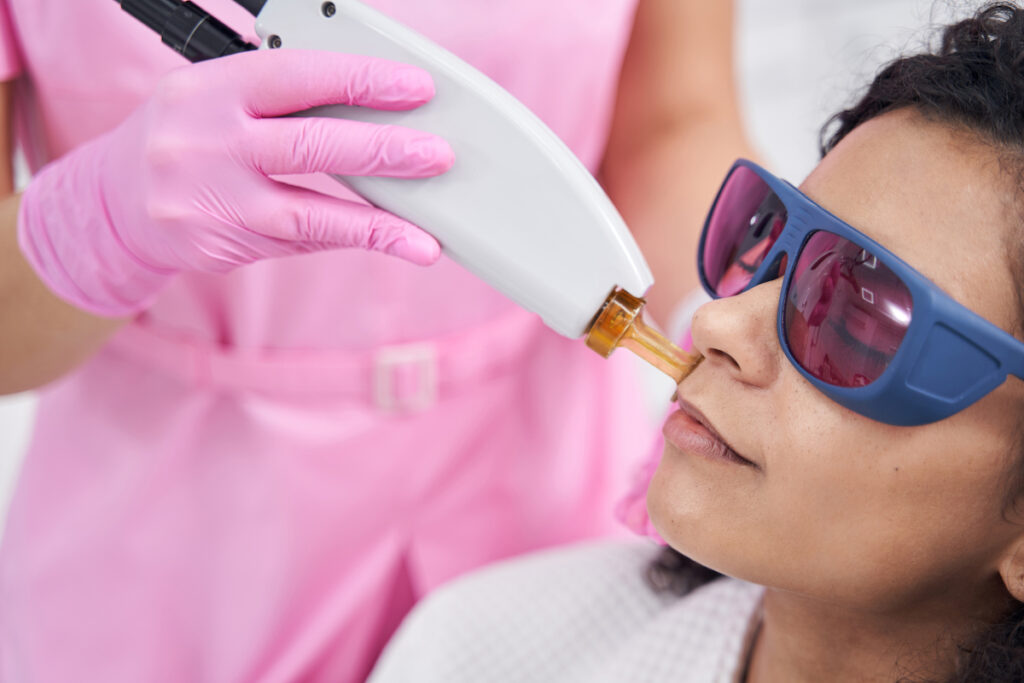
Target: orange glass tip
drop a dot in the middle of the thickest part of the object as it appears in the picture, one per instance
(620, 323)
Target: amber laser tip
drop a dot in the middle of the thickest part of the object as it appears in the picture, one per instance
(620, 323)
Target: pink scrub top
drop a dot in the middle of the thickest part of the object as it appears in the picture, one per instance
(257, 478)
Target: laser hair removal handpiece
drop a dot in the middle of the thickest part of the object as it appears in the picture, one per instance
(517, 209)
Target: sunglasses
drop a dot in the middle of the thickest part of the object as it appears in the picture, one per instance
(862, 326)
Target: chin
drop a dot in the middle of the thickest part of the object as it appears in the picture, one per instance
(693, 519)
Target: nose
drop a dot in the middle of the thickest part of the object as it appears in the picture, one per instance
(738, 334)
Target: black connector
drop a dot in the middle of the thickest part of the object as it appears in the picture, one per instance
(253, 7)
(187, 28)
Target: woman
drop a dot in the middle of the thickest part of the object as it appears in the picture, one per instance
(849, 451)
(269, 460)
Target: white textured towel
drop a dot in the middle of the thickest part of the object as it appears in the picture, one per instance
(581, 614)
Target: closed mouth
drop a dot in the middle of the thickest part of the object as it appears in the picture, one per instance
(728, 451)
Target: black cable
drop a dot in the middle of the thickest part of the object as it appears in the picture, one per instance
(253, 7)
(187, 28)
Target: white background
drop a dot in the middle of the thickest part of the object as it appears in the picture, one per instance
(799, 62)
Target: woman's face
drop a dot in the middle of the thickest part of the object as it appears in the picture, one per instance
(836, 506)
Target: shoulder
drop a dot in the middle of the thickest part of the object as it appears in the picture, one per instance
(559, 615)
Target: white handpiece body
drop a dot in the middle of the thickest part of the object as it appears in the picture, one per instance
(517, 209)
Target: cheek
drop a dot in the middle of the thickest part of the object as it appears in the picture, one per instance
(891, 528)
(850, 510)
(913, 512)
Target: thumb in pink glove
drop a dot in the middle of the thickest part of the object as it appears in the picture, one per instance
(183, 183)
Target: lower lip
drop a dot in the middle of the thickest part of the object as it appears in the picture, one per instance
(690, 436)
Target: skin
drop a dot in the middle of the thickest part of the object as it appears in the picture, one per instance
(894, 541)
(44, 337)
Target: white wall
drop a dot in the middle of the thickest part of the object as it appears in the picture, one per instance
(800, 61)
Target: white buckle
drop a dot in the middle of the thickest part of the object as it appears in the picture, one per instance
(388, 360)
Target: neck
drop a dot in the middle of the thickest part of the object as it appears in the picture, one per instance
(809, 640)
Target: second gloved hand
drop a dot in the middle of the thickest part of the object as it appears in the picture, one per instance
(183, 183)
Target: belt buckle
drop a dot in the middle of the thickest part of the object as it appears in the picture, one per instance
(389, 362)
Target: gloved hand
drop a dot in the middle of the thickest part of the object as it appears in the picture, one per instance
(182, 184)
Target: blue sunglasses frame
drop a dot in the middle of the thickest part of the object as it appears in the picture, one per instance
(950, 356)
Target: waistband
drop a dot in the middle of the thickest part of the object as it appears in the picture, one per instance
(395, 378)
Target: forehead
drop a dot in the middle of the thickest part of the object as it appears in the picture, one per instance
(936, 197)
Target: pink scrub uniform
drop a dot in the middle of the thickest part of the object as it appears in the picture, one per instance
(257, 478)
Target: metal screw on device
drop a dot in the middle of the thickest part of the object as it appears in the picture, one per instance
(274, 42)
(328, 9)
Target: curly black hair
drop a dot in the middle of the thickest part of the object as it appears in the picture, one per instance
(973, 81)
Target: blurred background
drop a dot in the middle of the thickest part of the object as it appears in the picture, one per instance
(798, 62)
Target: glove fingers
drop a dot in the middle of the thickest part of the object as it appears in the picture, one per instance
(279, 82)
(325, 145)
(311, 219)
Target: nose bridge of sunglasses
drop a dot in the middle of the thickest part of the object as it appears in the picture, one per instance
(783, 251)
(793, 233)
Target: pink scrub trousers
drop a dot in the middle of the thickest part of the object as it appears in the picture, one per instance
(257, 478)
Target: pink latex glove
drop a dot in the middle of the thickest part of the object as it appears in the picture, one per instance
(182, 184)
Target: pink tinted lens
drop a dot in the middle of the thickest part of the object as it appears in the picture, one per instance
(744, 224)
(845, 313)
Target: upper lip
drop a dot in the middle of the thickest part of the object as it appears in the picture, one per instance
(694, 413)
